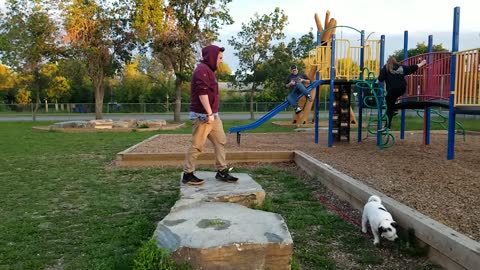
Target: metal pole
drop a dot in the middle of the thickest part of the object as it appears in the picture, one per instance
(426, 111)
(332, 85)
(451, 111)
(405, 56)
(360, 100)
(381, 94)
(317, 95)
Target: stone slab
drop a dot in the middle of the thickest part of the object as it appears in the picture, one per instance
(246, 191)
(228, 236)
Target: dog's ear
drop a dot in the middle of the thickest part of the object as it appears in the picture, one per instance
(394, 224)
(381, 230)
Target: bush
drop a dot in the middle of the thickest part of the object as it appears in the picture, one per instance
(151, 257)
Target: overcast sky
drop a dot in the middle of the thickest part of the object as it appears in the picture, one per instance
(379, 17)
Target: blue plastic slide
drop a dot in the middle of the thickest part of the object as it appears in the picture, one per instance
(271, 113)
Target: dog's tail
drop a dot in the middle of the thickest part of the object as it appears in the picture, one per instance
(374, 198)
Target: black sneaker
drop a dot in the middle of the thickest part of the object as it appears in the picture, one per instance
(224, 175)
(191, 179)
(298, 110)
(309, 98)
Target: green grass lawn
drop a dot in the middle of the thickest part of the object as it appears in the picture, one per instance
(63, 205)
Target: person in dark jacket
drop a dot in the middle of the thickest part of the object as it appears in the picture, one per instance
(295, 83)
(393, 74)
(204, 103)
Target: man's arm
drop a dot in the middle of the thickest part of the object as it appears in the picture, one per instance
(290, 82)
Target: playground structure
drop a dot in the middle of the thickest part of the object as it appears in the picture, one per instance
(312, 64)
(449, 80)
(349, 58)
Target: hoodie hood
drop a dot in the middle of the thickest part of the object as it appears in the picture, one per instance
(210, 55)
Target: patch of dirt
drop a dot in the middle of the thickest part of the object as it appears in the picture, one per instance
(420, 177)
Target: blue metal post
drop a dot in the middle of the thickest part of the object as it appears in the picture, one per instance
(451, 111)
(317, 96)
(426, 111)
(405, 56)
(359, 92)
(380, 86)
(332, 98)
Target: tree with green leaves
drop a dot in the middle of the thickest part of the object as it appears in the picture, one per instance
(75, 70)
(186, 26)
(300, 48)
(252, 47)
(56, 87)
(7, 78)
(32, 41)
(134, 84)
(421, 48)
(100, 33)
(224, 72)
(277, 67)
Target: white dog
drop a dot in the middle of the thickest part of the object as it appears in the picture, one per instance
(381, 222)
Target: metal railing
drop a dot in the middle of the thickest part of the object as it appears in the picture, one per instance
(347, 58)
(467, 80)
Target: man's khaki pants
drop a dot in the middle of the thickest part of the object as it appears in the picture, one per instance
(200, 133)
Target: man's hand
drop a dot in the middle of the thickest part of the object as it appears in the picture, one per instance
(422, 63)
(210, 118)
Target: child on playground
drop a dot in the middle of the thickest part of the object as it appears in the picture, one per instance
(393, 74)
(295, 83)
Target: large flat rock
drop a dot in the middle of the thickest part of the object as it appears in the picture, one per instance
(246, 191)
(217, 235)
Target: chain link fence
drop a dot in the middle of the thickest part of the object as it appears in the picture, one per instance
(143, 108)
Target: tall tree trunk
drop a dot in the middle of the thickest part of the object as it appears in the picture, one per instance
(99, 93)
(37, 94)
(178, 99)
(35, 108)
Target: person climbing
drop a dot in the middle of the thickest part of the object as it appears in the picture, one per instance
(393, 74)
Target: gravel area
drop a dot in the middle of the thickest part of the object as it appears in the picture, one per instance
(420, 177)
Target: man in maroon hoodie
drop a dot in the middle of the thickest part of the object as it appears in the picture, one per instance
(204, 103)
